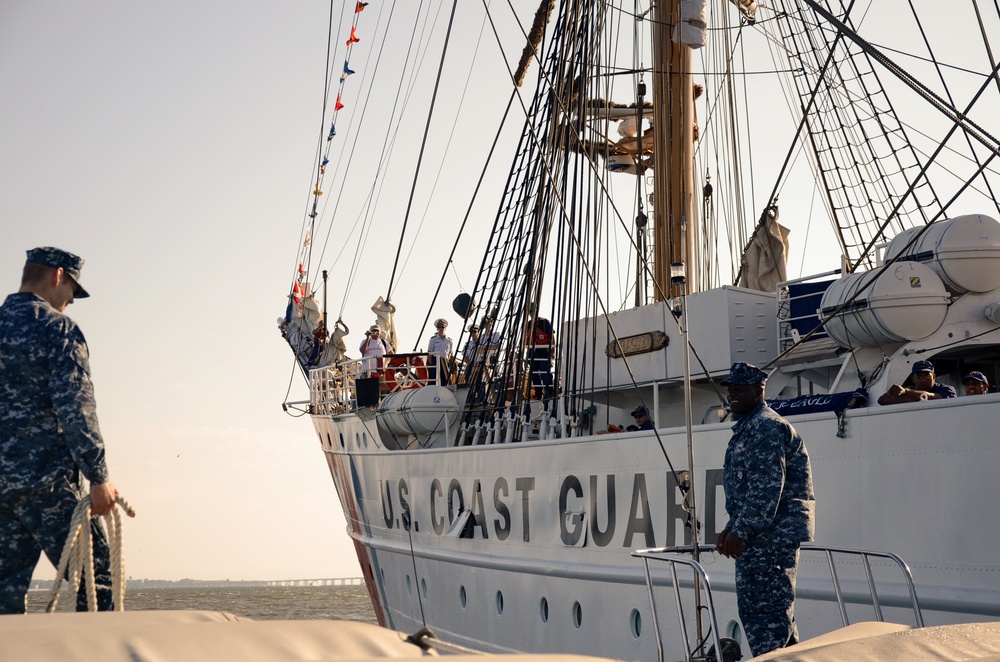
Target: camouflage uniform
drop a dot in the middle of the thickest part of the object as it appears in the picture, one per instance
(48, 436)
(770, 502)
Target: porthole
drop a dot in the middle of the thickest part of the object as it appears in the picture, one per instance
(329, 442)
(499, 603)
(423, 588)
(364, 440)
(357, 439)
(734, 631)
(409, 588)
(462, 597)
(577, 615)
(341, 435)
(635, 623)
(543, 609)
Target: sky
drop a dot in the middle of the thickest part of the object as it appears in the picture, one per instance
(171, 145)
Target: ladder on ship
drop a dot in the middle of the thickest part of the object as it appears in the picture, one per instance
(725, 649)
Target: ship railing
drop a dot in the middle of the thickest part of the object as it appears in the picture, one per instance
(866, 556)
(334, 389)
(672, 555)
(796, 309)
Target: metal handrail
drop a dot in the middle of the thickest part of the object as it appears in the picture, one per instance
(660, 554)
(866, 555)
(699, 574)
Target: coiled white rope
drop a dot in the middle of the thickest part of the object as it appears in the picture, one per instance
(78, 556)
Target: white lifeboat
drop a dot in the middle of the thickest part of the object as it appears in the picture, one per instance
(418, 411)
(964, 251)
(906, 302)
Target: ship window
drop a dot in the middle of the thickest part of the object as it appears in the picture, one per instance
(577, 615)
(423, 588)
(635, 621)
(357, 439)
(341, 439)
(734, 632)
(500, 602)
(543, 609)
(329, 442)
(409, 589)
(461, 596)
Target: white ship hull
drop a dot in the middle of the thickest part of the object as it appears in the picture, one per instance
(548, 564)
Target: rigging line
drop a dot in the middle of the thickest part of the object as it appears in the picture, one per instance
(931, 60)
(986, 41)
(386, 145)
(944, 85)
(564, 216)
(805, 115)
(951, 344)
(949, 111)
(308, 227)
(923, 170)
(447, 149)
(465, 220)
(386, 148)
(353, 147)
(423, 145)
(602, 184)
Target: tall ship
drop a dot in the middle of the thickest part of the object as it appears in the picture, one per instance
(605, 202)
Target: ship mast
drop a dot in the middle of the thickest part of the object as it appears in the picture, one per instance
(673, 213)
(673, 171)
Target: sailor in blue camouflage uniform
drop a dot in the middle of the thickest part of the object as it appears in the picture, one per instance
(48, 428)
(771, 506)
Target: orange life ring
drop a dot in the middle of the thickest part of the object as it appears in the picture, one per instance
(402, 372)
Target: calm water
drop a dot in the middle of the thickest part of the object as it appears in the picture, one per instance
(350, 603)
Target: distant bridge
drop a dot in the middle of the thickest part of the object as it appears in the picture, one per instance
(342, 581)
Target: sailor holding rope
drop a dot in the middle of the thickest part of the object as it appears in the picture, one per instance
(48, 429)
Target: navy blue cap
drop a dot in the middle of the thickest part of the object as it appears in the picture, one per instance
(975, 376)
(58, 258)
(640, 411)
(922, 366)
(745, 373)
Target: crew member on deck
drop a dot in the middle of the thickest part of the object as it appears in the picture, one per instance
(480, 352)
(49, 437)
(440, 348)
(540, 339)
(975, 383)
(641, 417)
(373, 347)
(924, 387)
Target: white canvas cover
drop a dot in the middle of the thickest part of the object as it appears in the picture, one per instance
(692, 23)
(385, 316)
(765, 259)
(203, 636)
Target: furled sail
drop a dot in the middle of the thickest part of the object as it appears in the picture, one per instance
(765, 259)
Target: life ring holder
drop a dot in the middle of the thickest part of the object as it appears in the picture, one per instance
(404, 372)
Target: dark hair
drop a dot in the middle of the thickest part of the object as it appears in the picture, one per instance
(35, 274)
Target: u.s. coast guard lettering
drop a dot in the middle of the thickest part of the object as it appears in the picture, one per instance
(628, 510)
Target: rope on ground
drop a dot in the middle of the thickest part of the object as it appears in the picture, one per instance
(77, 558)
